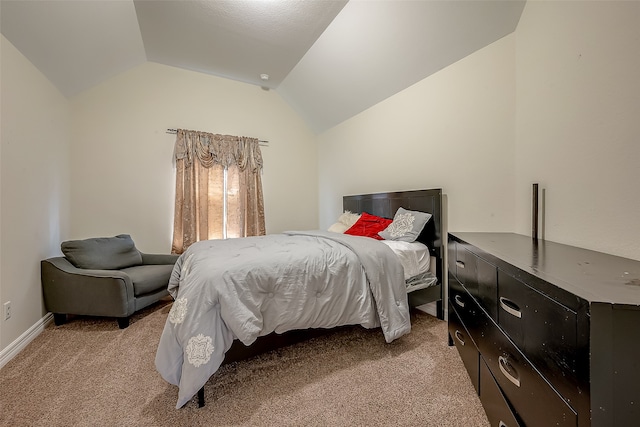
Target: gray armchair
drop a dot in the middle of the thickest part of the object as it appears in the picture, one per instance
(105, 276)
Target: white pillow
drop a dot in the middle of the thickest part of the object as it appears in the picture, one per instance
(338, 227)
(349, 218)
(414, 256)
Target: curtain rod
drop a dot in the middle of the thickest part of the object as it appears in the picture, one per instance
(261, 142)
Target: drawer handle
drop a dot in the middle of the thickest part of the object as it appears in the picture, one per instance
(502, 424)
(458, 300)
(503, 363)
(459, 336)
(510, 307)
(460, 264)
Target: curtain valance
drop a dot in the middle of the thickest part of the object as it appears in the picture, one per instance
(225, 150)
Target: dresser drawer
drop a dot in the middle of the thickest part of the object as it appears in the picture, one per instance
(534, 401)
(543, 329)
(452, 258)
(480, 278)
(465, 346)
(493, 401)
(487, 287)
(467, 309)
(466, 267)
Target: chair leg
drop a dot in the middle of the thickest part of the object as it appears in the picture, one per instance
(59, 318)
(123, 322)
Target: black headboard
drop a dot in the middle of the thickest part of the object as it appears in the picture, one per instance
(386, 205)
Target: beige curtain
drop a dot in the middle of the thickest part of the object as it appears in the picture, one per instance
(201, 160)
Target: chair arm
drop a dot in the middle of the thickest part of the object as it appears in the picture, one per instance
(154, 259)
(71, 290)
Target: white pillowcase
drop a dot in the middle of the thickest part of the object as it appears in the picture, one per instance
(349, 218)
(345, 221)
(339, 227)
(414, 256)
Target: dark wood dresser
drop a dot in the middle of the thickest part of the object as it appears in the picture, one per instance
(549, 333)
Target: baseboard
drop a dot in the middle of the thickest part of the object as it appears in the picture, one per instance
(23, 340)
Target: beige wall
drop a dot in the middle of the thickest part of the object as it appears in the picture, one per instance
(578, 122)
(453, 130)
(122, 174)
(556, 103)
(100, 164)
(34, 164)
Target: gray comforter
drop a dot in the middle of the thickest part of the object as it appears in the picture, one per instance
(249, 287)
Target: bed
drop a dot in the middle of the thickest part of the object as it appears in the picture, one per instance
(237, 298)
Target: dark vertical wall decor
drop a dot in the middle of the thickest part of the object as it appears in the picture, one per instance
(534, 216)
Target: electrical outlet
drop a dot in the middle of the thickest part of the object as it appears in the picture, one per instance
(7, 310)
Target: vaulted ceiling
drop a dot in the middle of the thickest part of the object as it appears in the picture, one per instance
(328, 59)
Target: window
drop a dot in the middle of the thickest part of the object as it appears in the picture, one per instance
(218, 188)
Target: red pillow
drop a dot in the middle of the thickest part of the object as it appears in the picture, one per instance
(369, 226)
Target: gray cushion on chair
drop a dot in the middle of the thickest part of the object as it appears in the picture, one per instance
(102, 253)
(145, 278)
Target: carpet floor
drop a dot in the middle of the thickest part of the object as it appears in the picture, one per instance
(90, 373)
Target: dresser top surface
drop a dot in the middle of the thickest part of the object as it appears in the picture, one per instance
(593, 276)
